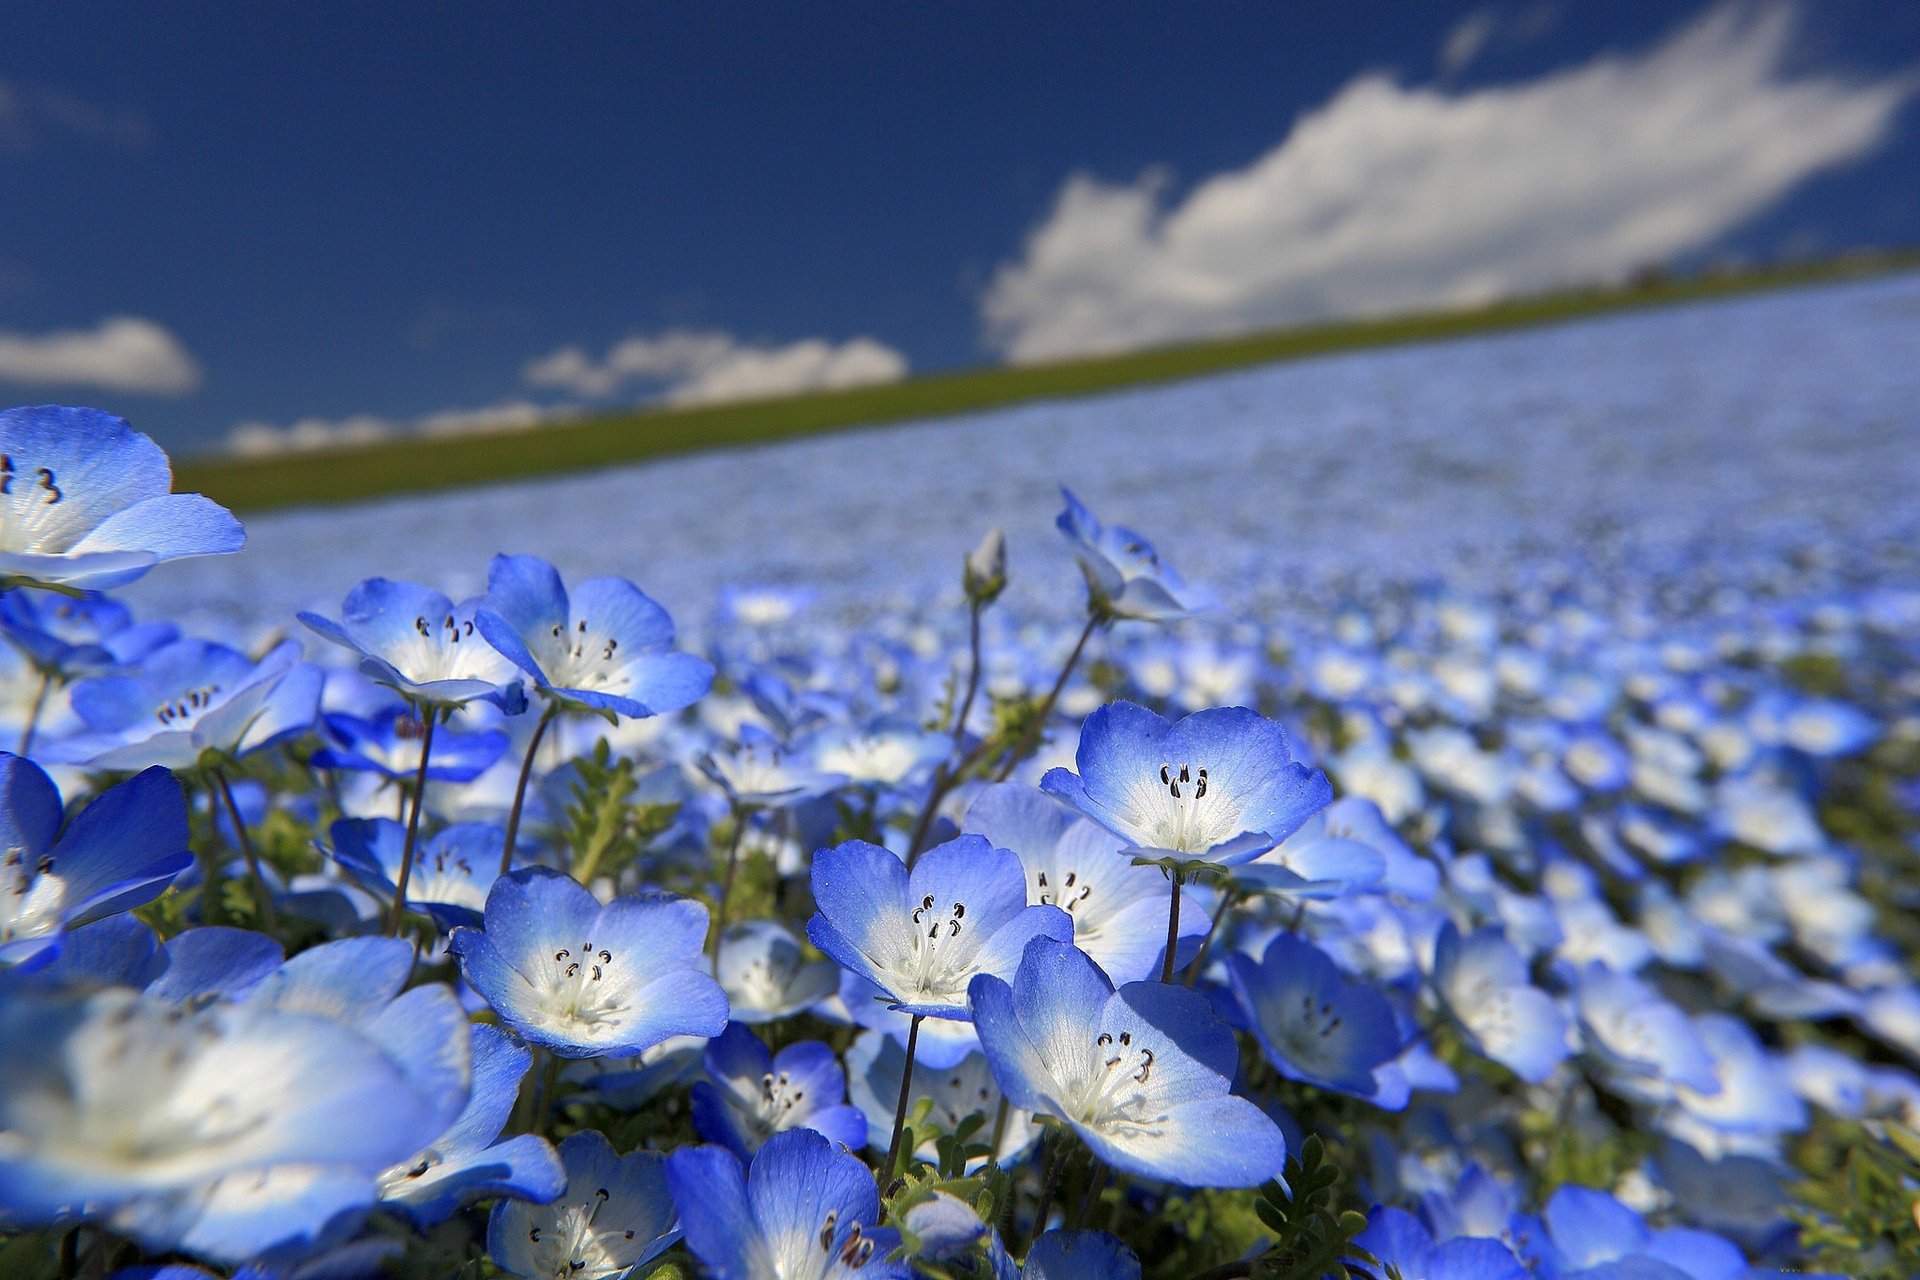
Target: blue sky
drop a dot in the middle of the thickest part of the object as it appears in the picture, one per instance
(356, 220)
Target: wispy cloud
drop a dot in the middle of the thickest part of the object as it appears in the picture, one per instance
(29, 113)
(707, 366)
(121, 353)
(1390, 197)
(256, 439)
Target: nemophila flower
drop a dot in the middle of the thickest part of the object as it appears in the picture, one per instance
(1645, 1045)
(751, 1093)
(1125, 575)
(757, 772)
(1320, 860)
(1316, 1025)
(805, 1209)
(883, 753)
(121, 851)
(1219, 786)
(1143, 1075)
(419, 643)
(956, 1090)
(189, 702)
(584, 980)
(1590, 1234)
(765, 976)
(605, 645)
(922, 936)
(452, 871)
(115, 1099)
(1080, 1255)
(1753, 1102)
(388, 743)
(1482, 983)
(615, 1214)
(74, 636)
(1119, 910)
(85, 501)
(1397, 1239)
(945, 1228)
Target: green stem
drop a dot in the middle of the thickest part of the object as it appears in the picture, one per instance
(549, 1084)
(973, 675)
(520, 789)
(1034, 727)
(1206, 943)
(1173, 929)
(900, 1109)
(1096, 1183)
(262, 894)
(1051, 1183)
(431, 716)
(33, 715)
(726, 885)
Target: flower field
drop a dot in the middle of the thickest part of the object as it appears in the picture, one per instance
(1442, 812)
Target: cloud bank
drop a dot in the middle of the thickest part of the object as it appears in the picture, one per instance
(255, 439)
(1391, 197)
(707, 367)
(694, 366)
(121, 353)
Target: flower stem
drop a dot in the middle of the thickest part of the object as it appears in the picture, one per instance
(726, 885)
(973, 675)
(520, 789)
(262, 894)
(1173, 929)
(1034, 727)
(900, 1109)
(1096, 1183)
(1206, 943)
(33, 714)
(431, 715)
(1049, 1184)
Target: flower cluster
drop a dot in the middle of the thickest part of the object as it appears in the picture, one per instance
(1556, 934)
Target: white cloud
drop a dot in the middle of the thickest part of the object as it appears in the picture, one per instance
(705, 367)
(255, 439)
(1391, 197)
(121, 353)
(27, 113)
(1468, 37)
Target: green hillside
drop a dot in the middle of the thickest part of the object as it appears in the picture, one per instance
(406, 465)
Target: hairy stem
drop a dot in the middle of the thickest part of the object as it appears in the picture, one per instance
(431, 715)
(520, 788)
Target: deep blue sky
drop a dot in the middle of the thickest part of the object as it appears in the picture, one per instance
(391, 208)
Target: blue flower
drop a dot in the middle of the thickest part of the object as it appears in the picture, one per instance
(123, 850)
(189, 702)
(1397, 1239)
(956, 1089)
(1482, 982)
(159, 1104)
(765, 976)
(452, 871)
(1644, 1044)
(85, 502)
(584, 980)
(1080, 1255)
(1125, 576)
(1316, 1025)
(606, 646)
(74, 636)
(1143, 1075)
(388, 743)
(1119, 909)
(1219, 786)
(922, 936)
(418, 642)
(615, 1214)
(752, 1094)
(757, 772)
(804, 1210)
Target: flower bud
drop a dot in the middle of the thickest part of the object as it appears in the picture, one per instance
(985, 574)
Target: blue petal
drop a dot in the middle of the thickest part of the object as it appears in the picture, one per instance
(214, 960)
(1080, 1255)
(709, 1188)
(29, 807)
(169, 527)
